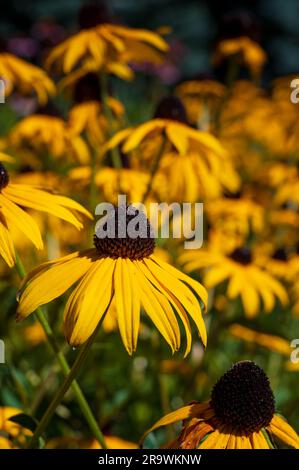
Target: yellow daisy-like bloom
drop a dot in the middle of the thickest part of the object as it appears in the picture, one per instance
(108, 47)
(34, 334)
(181, 136)
(11, 433)
(13, 197)
(245, 278)
(236, 214)
(200, 173)
(113, 182)
(201, 99)
(48, 135)
(240, 415)
(24, 77)
(88, 118)
(271, 342)
(123, 269)
(244, 50)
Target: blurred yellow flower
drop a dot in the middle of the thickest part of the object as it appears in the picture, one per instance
(49, 136)
(244, 50)
(24, 77)
(108, 47)
(88, 118)
(245, 278)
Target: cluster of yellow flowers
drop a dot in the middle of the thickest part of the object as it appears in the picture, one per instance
(232, 146)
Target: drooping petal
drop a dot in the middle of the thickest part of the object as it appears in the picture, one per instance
(285, 433)
(183, 294)
(7, 250)
(127, 303)
(138, 134)
(89, 301)
(48, 284)
(33, 198)
(155, 307)
(18, 218)
(174, 302)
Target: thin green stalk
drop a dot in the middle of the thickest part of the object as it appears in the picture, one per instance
(154, 170)
(65, 368)
(68, 380)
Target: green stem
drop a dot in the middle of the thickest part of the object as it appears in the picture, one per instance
(154, 170)
(65, 368)
(68, 380)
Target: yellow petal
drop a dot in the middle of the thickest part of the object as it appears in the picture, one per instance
(89, 301)
(177, 415)
(49, 284)
(177, 137)
(138, 134)
(281, 429)
(127, 303)
(7, 250)
(154, 305)
(18, 218)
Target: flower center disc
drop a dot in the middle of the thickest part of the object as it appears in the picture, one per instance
(125, 233)
(4, 178)
(242, 398)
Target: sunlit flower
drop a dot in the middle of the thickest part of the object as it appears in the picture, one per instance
(245, 278)
(123, 269)
(171, 122)
(34, 334)
(113, 182)
(240, 415)
(236, 214)
(244, 50)
(13, 197)
(108, 47)
(268, 341)
(88, 118)
(48, 136)
(201, 99)
(24, 77)
(11, 434)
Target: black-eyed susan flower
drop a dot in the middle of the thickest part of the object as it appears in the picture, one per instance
(201, 99)
(244, 50)
(126, 270)
(236, 214)
(108, 47)
(245, 278)
(170, 121)
(240, 415)
(13, 197)
(24, 77)
(48, 136)
(88, 118)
